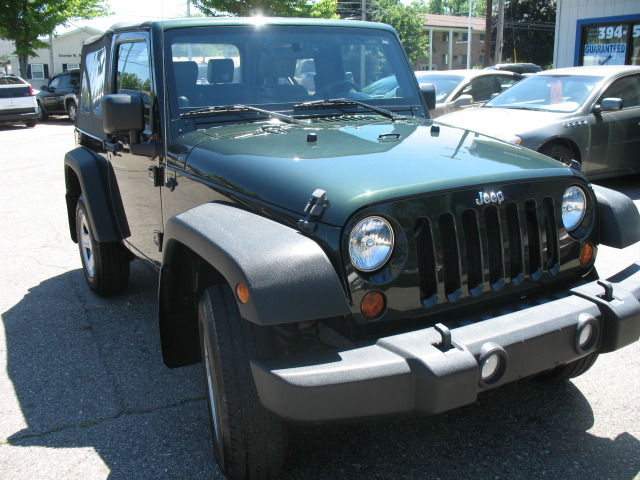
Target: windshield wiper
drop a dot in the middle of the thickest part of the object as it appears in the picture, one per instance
(238, 109)
(345, 102)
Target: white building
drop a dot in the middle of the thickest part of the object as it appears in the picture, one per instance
(64, 54)
(597, 32)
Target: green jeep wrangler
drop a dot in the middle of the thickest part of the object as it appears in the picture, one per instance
(322, 247)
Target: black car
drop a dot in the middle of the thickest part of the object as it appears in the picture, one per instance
(60, 96)
(521, 68)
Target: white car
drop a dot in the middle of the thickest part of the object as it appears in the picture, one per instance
(17, 101)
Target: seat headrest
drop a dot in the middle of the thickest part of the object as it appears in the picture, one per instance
(220, 70)
(186, 72)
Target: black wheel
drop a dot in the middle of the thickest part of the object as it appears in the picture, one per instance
(72, 110)
(30, 123)
(249, 442)
(558, 152)
(42, 113)
(105, 264)
(569, 370)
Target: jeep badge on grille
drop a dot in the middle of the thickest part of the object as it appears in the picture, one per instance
(492, 197)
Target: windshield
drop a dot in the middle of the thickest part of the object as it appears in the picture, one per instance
(444, 84)
(276, 67)
(549, 93)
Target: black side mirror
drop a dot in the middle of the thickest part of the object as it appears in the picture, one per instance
(122, 114)
(429, 95)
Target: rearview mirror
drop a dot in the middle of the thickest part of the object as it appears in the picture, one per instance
(611, 104)
(463, 100)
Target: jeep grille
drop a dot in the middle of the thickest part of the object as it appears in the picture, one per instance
(485, 248)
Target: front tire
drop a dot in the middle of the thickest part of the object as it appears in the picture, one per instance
(105, 264)
(249, 442)
(558, 152)
(42, 113)
(72, 110)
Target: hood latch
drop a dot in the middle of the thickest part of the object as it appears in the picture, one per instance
(313, 210)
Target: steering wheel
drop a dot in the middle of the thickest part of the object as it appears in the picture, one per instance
(330, 89)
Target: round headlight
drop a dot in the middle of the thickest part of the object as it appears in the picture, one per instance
(370, 244)
(574, 206)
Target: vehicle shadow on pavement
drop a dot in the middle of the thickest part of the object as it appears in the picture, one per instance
(88, 372)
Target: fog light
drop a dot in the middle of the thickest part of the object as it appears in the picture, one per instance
(493, 363)
(373, 304)
(490, 367)
(587, 333)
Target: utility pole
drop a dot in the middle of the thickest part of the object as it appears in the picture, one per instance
(500, 32)
(487, 35)
(469, 37)
(364, 10)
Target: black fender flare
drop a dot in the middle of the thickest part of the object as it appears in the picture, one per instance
(619, 218)
(289, 276)
(92, 173)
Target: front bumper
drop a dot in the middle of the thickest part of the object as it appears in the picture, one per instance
(411, 373)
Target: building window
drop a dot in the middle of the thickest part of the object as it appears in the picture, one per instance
(69, 66)
(445, 59)
(445, 36)
(462, 37)
(482, 37)
(613, 43)
(38, 71)
(461, 59)
(481, 59)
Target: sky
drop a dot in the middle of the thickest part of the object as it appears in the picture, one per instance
(134, 11)
(138, 11)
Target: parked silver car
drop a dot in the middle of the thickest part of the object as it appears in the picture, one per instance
(455, 89)
(588, 114)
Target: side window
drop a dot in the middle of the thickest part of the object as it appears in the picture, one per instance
(93, 76)
(54, 83)
(627, 88)
(480, 89)
(134, 74)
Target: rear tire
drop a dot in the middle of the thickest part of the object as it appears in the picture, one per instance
(249, 442)
(42, 114)
(569, 370)
(105, 264)
(30, 123)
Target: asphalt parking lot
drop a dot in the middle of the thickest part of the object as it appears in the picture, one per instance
(84, 393)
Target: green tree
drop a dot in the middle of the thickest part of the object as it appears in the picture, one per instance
(457, 7)
(275, 8)
(529, 31)
(23, 21)
(407, 20)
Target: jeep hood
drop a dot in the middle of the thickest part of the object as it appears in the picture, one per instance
(358, 164)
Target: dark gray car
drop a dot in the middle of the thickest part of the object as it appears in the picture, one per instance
(588, 114)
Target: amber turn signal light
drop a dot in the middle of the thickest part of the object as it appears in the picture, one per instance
(373, 304)
(586, 254)
(242, 292)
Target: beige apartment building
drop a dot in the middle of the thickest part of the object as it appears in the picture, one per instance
(448, 37)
